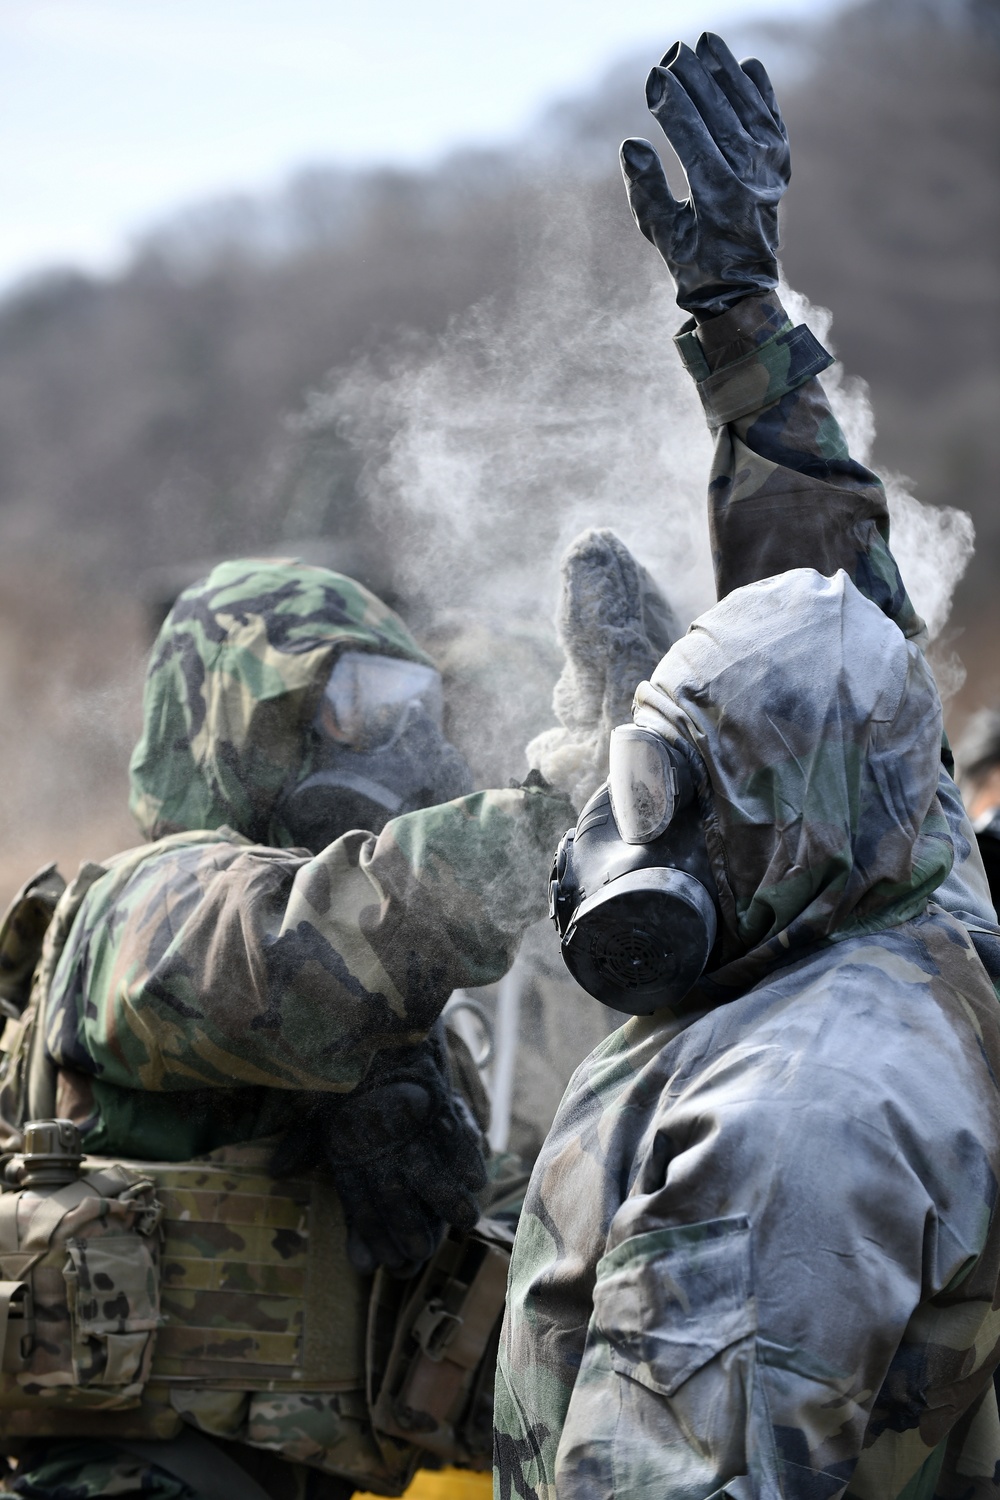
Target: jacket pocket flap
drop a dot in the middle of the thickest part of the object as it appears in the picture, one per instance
(668, 1300)
(112, 1286)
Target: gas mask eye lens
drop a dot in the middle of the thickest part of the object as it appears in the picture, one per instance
(377, 750)
(369, 700)
(642, 781)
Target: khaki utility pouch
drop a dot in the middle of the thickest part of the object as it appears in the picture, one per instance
(432, 1345)
(79, 1278)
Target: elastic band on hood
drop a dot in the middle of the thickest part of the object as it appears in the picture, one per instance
(818, 728)
(235, 678)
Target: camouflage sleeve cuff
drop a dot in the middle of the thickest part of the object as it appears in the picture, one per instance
(748, 358)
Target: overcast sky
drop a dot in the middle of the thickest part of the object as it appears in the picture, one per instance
(114, 111)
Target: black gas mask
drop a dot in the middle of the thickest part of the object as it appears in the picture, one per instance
(631, 892)
(377, 748)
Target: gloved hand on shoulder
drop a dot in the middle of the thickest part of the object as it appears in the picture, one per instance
(723, 121)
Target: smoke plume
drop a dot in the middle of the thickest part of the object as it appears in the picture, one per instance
(559, 405)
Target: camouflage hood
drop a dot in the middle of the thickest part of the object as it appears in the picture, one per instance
(817, 732)
(234, 680)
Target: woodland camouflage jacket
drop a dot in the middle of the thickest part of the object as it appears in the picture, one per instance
(760, 1251)
(211, 980)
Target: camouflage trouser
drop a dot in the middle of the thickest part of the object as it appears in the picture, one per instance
(84, 1470)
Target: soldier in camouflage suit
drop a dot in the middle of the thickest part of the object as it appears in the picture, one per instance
(216, 985)
(229, 961)
(760, 1252)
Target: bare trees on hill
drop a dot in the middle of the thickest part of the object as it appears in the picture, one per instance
(155, 417)
(142, 416)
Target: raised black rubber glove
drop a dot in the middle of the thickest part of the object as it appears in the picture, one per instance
(405, 1155)
(722, 119)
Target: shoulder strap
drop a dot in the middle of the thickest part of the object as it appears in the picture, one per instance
(40, 1079)
(27, 1079)
(22, 932)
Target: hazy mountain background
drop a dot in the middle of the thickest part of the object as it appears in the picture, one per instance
(208, 401)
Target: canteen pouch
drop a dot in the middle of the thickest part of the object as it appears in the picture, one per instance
(79, 1290)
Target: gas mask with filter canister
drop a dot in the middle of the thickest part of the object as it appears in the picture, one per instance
(376, 749)
(631, 893)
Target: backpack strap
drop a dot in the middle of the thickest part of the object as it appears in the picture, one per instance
(27, 1077)
(22, 932)
(40, 1072)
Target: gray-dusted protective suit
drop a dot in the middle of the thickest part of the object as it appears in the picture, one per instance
(760, 1251)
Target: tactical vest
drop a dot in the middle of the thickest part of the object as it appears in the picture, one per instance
(138, 1296)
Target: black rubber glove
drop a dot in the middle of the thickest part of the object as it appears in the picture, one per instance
(404, 1153)
(722, 119)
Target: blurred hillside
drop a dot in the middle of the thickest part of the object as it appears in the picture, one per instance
(161, 416)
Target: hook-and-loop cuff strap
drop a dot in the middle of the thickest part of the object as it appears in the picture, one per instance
(786, 361)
